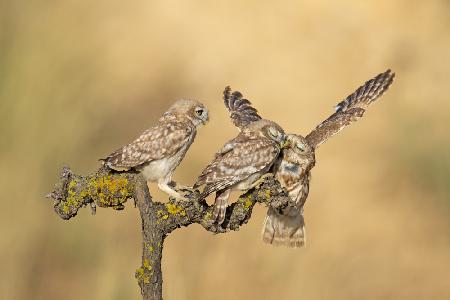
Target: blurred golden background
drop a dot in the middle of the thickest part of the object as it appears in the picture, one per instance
(80, 78)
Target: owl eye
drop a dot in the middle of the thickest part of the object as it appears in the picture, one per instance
(300, 146)
(199, 111)
(273, 132)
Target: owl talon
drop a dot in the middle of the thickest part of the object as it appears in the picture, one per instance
(186, 195)
(182, 188)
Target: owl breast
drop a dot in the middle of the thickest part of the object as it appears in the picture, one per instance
(164, 167)
(296, 181)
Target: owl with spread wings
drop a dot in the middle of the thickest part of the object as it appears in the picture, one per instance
(243, 161)
(293, 168)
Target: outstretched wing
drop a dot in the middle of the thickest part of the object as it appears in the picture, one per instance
(351, 109)
(163, 140)
(241, 110)
(245, 158)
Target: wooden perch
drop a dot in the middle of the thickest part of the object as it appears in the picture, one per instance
(106, 188)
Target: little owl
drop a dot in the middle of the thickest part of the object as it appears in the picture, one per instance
(160, 149)
(293, 168)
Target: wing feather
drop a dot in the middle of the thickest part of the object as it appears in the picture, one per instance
(160, 141)
(351, 108)
(241, 110)
(244, 159)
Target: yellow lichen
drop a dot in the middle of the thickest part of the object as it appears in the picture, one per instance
(147, 264)
(248, 203)
(110, 191)
(139, 272)
(264, 194)
(142, 276)
(208, 216)
(74, 199)
(174, 209)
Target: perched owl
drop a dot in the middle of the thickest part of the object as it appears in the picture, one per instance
(241, 163)
(160, 149)
(287, 227)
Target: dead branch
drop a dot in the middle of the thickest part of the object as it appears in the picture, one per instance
(106, 188)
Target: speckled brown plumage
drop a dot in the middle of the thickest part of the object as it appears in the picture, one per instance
(159, 150)
(241, 111)
(243, 160)
(293, 168)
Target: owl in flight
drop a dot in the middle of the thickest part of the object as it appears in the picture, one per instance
(244, 160)
(293, 168)
(160, 149)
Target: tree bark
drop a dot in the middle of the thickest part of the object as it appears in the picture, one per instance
(106, 188)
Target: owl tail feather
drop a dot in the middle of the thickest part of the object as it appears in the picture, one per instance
(286, 229)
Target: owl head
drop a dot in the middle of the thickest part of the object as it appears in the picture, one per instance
(191, 109)
(298, 151)
(267, 129)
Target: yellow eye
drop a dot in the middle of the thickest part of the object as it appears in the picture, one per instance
(199, 112)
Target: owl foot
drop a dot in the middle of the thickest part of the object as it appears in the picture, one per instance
(179, 187)
(219, 214)
(172, 192)
(186, 191)
(220, 206)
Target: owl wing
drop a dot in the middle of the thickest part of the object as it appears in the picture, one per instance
(351, 109)
(241, 110)
(163, 140)
(245, 158)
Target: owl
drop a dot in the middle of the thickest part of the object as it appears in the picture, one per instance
(293, 168)
(160, 149)
(244, 160)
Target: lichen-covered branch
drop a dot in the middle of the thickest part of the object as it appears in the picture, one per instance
(112, 189)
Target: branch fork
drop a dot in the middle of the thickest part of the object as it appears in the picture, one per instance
(106, 188)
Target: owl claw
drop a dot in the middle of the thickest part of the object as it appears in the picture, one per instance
(185, 191)
(187, 194)
(179, 198)
(174, 193)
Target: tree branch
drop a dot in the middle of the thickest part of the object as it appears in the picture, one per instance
(107, 188)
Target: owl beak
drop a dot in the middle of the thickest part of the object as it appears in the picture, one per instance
(285, 144)
(206, 120)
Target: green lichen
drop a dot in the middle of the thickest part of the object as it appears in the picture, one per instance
(165, 217)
